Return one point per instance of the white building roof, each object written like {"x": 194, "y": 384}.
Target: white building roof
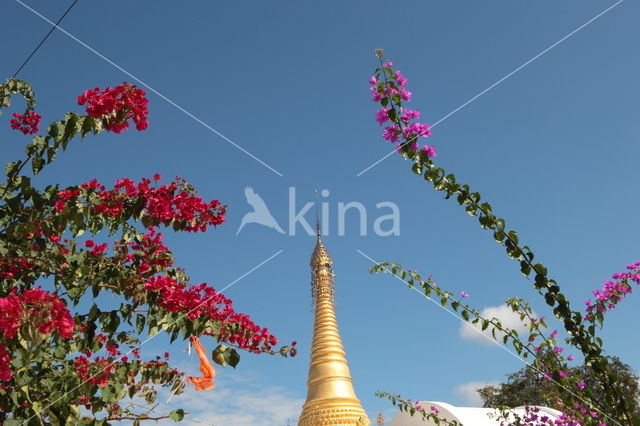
{"x": 467, "y": 416}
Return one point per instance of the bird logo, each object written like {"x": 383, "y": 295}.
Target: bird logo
{"x": 260, "y": 214}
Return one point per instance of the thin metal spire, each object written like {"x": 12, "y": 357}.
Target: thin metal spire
{"x": 318, "y": 230}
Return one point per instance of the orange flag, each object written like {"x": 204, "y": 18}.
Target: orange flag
{"x": 208, "y": 372}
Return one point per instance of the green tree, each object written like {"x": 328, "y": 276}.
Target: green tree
{"x": 528, "y": 387}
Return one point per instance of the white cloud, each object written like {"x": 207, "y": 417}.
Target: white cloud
{"x": 235, "y": 404}
{"x": 468, "y": 392}
{"x": 507, "y": 317}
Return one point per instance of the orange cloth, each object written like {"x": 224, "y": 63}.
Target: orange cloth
{"x": 208, "y": 372}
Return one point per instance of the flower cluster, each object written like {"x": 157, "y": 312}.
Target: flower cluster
{"x": 39, "y": 307}
{"x": 11, "y": 268}
{"x": 117, "y": 105}
{"x": 96, "y": 372}
{"x": 388, "y": 88}
{"x": 202, "y": 301}
{"x": 96, "y": 249}
{"x": 612, "y": 292}
{"x": 174, "y": 202}
{"x": 5, "y": 371}
{"x": 534, "y": 416}
{"x": 36, "y": 307}
{"x": 27, "y": 123}
{"x": 150, "y": 255}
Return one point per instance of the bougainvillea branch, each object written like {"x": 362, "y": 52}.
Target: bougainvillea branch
{"x": 430, "y": 413}
{"x": 389, "y": 89}
{"x": 58, "y": 354}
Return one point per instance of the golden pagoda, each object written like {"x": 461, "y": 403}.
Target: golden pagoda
{"x": 331, "y": 399}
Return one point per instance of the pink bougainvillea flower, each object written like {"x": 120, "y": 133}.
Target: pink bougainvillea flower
{"x": 430, "y": 150}
{"x": 391, "y": 133}
{"x": 409, "y": 114}
{"x": 389, "y": 89}
{"x": 382, "y": 116}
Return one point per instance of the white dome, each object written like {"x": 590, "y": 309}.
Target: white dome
{"x": 467, "y": 416}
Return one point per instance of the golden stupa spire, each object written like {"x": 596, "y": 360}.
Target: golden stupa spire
{"x": 331, "y": 399}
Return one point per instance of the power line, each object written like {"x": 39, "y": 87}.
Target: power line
{"x": 44, "y": 39}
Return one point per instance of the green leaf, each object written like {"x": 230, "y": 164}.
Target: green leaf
{"x": 11, "y": 168}
{"x": 109, "y": 393}
{"x": 176, "y": 415}
{"x": 87, "y": 125}
{"x": 36, "y": 164}
{"x": 232, "y": 357}
{"x": 140, "y": 319}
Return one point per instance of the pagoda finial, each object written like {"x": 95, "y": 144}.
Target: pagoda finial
{"x": 331, "y": 399}
{"x": 318, "y": 231}
{"x": 380, "y": 419}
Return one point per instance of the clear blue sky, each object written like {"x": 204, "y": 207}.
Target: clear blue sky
{"x": 554, "y": 148}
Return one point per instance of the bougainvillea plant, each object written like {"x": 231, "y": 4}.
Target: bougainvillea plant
{"x": 575, "y": 399}
{"x": 55, "y": 357}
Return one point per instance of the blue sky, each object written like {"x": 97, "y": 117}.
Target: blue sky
{"x": 553, "y": 148}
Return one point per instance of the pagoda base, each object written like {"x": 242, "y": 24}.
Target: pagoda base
{"x": 335, "y": 413}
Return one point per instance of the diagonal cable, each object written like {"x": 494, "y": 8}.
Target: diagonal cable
{"x": 502, "y": 79}
{"x": 44, "y": 39}
{"x": 171, "y": 102}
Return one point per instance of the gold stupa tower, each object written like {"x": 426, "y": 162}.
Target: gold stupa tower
{"x": 331, "y": 399}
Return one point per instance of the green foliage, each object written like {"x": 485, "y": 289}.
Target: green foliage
{"x": 224, "y": 355}
{"x": 527, "y": 387}
{"x": 176, "y": 415}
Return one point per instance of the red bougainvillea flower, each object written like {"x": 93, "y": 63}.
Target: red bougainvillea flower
{"x": 172, "y": 202}
{"x": 35, "y": 306}
{"x": 202, "y": 301}
{"x": 117, "y": 105}
{"x": 5, "y": 370}
{"x": 39, "y": 307}
{"x": 96, "y": 372}
{"x": 27, "y": 123}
